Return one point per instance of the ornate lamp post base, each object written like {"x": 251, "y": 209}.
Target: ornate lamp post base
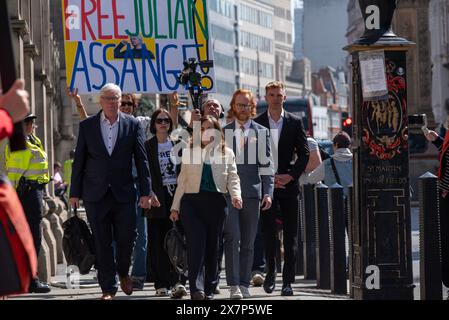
{"x": 381, "y": 223}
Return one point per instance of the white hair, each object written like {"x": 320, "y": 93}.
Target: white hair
{"x": 210, "y": 100}
{"x": 111, "y": 87}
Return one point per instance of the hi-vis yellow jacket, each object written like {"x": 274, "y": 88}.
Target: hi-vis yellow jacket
{"x": 30, "y": 163}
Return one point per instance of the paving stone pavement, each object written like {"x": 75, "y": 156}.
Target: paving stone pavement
{"x": 89, "y": 290}
{"x": 303, "y": 289}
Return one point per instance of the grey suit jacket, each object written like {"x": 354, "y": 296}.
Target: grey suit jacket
{"x": 255, "y": 165}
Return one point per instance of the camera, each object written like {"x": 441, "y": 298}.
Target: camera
{"x": 189, "y": 74}
{"x": 191, "y": 78}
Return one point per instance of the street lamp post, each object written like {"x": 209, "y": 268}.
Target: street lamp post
{"x": 381, "y": 225}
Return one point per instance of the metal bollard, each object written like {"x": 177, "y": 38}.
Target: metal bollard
{"x": 299, "y": 267}
{"x": 429, "y": 238}
{"x": 337, "y": 239}
{"x": 323, "y": 271}
{"x": 308, "y": 219}
{"x": 350, "y": 214}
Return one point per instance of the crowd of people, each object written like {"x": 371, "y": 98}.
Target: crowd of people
{"x": 225, "y": 187}
{"x": 215, "y": 187}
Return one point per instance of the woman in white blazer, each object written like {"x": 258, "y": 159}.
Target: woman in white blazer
{"x": 208, "y": 172}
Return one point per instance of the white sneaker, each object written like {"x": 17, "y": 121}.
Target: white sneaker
{"x": 245, "y": 292}
{"x": 258, "y": 280}
{"x": 178, "y": 291}
{"x": 235, "y": 293}
{"x": 162, "y": 292}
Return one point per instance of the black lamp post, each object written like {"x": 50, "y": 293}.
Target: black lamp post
{"x": 381, "y": 238}
{"x": 386, "y": 10}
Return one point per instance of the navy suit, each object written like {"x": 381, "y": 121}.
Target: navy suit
{"x": 94, "y": 170}
{"x": 105, "y": 184}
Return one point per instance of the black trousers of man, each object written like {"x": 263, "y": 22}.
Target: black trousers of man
{"x": 288, "y": 212}
{"x": 111, "y": 220}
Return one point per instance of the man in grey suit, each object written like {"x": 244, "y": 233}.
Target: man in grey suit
{"x": 250, "y": 142}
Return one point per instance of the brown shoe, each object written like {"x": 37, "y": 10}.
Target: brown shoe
{"x": 107, "y": 296}
{"x": 127, "y": 285}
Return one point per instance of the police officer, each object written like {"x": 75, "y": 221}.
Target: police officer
{"x": 28, "y": 172}
{"x": 67, "y": 173}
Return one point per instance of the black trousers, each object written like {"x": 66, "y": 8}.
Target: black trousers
{"x": 162, "y": 271}
{"x": 444, "y": 234}
{"x": 202, "y": 216}
{"x": 288, "y": 212}
{"x": 111, "y": 220}
{"x": 32, "y": 203}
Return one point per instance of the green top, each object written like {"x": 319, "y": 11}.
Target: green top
{"x": 207, "y": 180}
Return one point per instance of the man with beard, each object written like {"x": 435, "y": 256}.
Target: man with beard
{"x": 255, "y": 169}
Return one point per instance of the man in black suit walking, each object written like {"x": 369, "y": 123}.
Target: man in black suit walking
{"x": 102, "y": 178}
{"x": 291, "y": 154}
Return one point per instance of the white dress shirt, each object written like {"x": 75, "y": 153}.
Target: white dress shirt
{"x": 276, "y": 127}
{"x": 109, "y": 132}
{"x": 238, "y": 132}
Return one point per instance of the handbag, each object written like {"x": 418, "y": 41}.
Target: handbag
{"x": 78, "y": 244}
{"x": 176, "y": 247}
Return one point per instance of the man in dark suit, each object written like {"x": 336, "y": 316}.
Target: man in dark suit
{"x": 291, "y": 154}
{"x": 251, "y": 145}
{"x": 102, "y": 178}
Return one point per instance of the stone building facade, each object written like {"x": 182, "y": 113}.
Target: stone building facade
{"x": 439, "y": 33}
{"x": 411, "y": 21}
{"x": 38, "y": 61}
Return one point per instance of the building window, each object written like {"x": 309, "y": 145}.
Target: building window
{"x": 224, "y": 61}
{"x": 279, "y": 36}
{"x": 222, "y": 34}
{"x": 335, "y": 120}
{"x": 279, "y": 12}
{"x": 225, "y": 88}
{"x": 255, "y": 16}
{"x": 266, "y": 20}
{"x": 222, "y": 7}
{"x": 249, "y": 66}
{"x": 255, "y": 42}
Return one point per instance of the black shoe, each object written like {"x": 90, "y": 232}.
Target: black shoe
{"x": 209, "y": 297}
{"x": 198, "y": 295}
{"x": 38, "y": 287}
{"x": 270, "y": 282}
{"x": 286, "y": 290}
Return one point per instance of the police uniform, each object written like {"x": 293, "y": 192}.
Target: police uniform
{"x": 28, "y": 172}
{"x": 67, "y": 173}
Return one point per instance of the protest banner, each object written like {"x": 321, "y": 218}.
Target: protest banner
{"x": 138, "y": 44}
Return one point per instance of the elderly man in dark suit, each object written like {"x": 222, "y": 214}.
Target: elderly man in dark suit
{"x": 251, "y": 145}
{"x": 102, "y": 178}
{"x": 291, "y": 154}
